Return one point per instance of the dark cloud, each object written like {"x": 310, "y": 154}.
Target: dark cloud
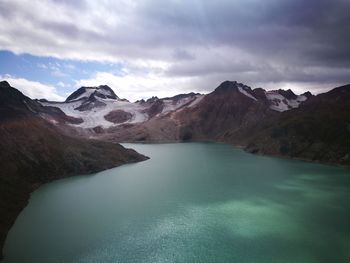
{"x": 252, "y": 40}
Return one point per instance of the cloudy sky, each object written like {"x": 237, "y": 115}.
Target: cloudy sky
{"x": 157, "y": 47}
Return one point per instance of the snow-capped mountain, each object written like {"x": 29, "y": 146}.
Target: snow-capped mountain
{"x": 275, "y": 122}
{"x": 102, "y": 91}
{"x": 278, "y": 100}
{"x": 281, "y": 100}
{"x": 100, "y": 106}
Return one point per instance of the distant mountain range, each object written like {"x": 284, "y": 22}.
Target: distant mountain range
{"x": 100, "y": 107}
{"x": 43, "y": 140}
{"x": 277, "y": 122}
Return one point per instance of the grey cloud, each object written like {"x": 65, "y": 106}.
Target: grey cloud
{"x": 181, "y": 54}
{"x": 254, "y": 41}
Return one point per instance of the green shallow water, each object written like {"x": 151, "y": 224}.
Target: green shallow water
{"x": 191, "y": 202}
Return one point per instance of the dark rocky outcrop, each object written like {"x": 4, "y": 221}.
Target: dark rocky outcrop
{"x": 118, "y": 116}
{"x": 55, "y": 114}
{"x": 33, "y": 151}
{"x": 152, "y": 99}
{"x": 90, "y": 103}
{"x": 155, "y": 108}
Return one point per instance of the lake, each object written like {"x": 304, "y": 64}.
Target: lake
{"x": 191, "y": 202}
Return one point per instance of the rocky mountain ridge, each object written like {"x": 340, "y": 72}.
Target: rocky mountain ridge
{"x": 101, "y": 107}
{"x": 275, "y": 122}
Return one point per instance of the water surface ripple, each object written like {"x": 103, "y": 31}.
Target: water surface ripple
{"x": 191, "y": 202}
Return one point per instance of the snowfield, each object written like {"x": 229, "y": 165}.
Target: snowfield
{"x": 280, "y": 103}
{"x": 95, "y": 117}
{"x": 170, "y": 105}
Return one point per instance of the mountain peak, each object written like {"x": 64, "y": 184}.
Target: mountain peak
{"x": 307, "y": 94}
{"x": 288, "y": 94}
{"x": 234, "y": 86}
{"x": 152, "y": 99}
{"x": 14, "y": 104}
{"x": 227, "y": 85}
{"x": 102, "y": 91}
{"x": 4, "y": 83}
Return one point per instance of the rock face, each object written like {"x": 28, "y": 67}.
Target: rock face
{"x": 33, "y": 151}
{"x": 156, "y": 107}
{"x": 118, "y": 116}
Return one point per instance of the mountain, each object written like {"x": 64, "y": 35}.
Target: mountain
{"x": 315, "y": 128}
{"x": 318, "y": 130}
{"x": 276, "y": 122}
{"x": 33, "y": 151}
{"x": 308, "y": 127}
{"x": 84, "y": 93}
{"x": 229, "y": 107}
{"x": 100, "y": 108}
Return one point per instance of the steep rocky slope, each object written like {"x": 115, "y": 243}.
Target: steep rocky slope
{"x": 230, "y": 107}
{"x": 318, "y": 130}
{"x": 33, "y": 151}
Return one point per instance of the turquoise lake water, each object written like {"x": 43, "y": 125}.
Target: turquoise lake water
{"x": 191, "y": 202}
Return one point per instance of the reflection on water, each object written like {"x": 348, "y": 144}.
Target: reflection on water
{"x": 192, "y": 202}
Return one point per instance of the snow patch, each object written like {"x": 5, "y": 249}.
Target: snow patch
{"x": 170, "y": 105}
{"x": 280, "y": 103}
{"x": 104, "y": 92}
{"x": 196, "y": 101}
{"x": 243, "y": 91}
